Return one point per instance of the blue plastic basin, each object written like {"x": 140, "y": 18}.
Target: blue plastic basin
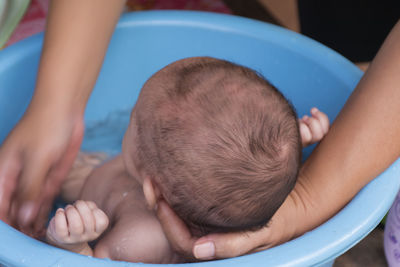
{"x": 308, "y": 73}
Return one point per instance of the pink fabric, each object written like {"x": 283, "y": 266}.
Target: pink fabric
{"x": 34, "y": 20}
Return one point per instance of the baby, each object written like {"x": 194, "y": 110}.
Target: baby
{"x": 219, "y": 143}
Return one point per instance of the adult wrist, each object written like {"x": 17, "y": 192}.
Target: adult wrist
{"x": 60, "y": 103}
{"x": 288, "y": 217}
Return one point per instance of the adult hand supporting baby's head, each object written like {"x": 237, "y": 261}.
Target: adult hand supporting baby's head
{"x": 221, "y": 245}
{"x": 34, "y": 159}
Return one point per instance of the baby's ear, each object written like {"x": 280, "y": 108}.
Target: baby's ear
{"x": 151, "y": 192}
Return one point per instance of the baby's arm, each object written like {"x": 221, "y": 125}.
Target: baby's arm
{"x": 83, "y": 166}
{"x": 135, "y": 238}
{"x": 314, "y": 128}
{"x": 76, "y": 225}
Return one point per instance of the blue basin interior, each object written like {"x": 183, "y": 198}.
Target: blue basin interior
{"x": 308, "y": 73}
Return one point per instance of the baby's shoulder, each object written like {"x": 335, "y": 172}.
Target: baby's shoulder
{"x": 136, "y": 238}
{"x": 103, "y": 182}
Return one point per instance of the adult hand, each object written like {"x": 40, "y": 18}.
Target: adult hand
{"x": 344, "y": 162}
{"x": 34, "y": 159}
{"x": 38, "y": 153}
{"x": 226, "y": 245}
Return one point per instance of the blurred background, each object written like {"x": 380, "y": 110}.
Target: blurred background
{"x": 354, "y": 28}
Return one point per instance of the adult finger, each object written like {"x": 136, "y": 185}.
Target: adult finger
{"x": 50, "y": 190}
{"x": 30, "y": 188}
{"x": 62, "y": 167}
{"x": 41, "y": 219}
{"x": 9, "y": 172}
{"x": 52, "y": 187}
{"x": 219, "y": 246}
{"x": 42, "y": 180}
{"x": 176, "y": 230}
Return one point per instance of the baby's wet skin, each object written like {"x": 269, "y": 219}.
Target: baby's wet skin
{"x": 133, "y": 233}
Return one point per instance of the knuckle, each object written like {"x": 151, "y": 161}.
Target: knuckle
{"x": 42, "y": 154}
{"x": 313, "y": 121}
{"x": 79, "y": 203}
{"x": 232, "y": 251}
{"x": 322, "y": 117}
{"x": 101, "y": 220}
{"x": 70, "y": 210}
{"x": 318, "y": 135}
{"x": 80, "y": 206}
{"x": 232, "y": 247}
{"x": 179, "y": 248}
{"x": 91, "y": 204}
{"x": 307, "y": 137}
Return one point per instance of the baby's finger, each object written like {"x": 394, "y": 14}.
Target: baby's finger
{"x": 101, "y": 220}
{"x": 91, "y": 205}
{"x": 305, "y": 133}
{"x": 315, "y": 128}
{"x": 60, "y": 225}
{"x": 75, "y": 224}
{"x": 86, "y": 216}
{"x": 322, "y": 118}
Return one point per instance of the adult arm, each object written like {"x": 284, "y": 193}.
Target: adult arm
{"x": 362, "y": 142}
{"x": 39, "y": 151}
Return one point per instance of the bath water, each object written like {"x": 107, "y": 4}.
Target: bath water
{"x": 106, "y": 135}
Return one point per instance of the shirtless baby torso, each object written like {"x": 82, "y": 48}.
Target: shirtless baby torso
{"x": 133, "y": 234}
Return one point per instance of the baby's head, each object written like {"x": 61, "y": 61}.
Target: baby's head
{"x": 220, "y": 143}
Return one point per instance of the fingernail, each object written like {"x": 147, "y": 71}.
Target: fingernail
{"x": 204, "y": 251}
{"x": 314, "y": 110}
{"x": 25, "y": 213}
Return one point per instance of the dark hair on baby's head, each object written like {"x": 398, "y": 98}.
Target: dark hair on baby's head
{"x": 221, "y": 142}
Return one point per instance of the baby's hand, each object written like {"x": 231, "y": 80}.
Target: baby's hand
{"x": 76, "y": 224}
{"x": 314, "y": 128}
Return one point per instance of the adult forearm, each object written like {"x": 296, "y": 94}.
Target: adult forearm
{"x": 76, "y": 40}
{"x": 346, "y": 160}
